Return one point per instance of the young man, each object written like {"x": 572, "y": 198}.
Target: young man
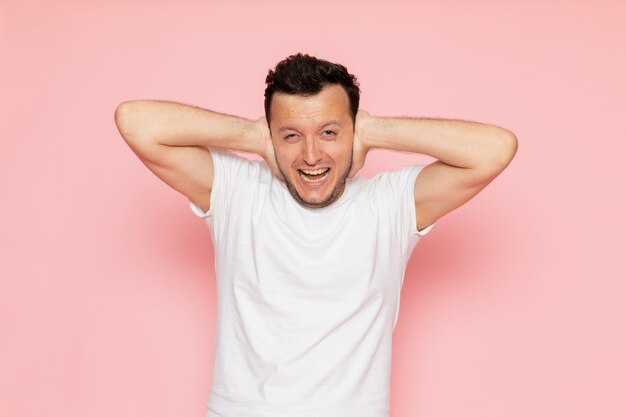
{"x": 310, "y": 258}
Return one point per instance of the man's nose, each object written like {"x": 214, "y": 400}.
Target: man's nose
{"x": 312, "y": 153}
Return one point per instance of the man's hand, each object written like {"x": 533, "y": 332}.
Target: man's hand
{"x": 359, "y": 148}
{"x": 266, "y": 148}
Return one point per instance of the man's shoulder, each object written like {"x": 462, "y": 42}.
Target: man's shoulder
{"x": 395, "y": 176}
{"x": 238, "y": 171}
{"x": 232, "y": 159}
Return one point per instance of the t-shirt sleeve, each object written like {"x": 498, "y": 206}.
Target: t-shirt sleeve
{"x": 198, "y": 211}
{"x": 229, "y": 174}
{"x": 413, "y": 172}
{"x": 194, "y": 207}
{"x": 395, "y": 191}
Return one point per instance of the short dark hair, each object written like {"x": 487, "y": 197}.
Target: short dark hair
{"x": 306, "y": 75}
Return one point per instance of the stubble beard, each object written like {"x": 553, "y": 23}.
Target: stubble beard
{"x": 334, "y": 195}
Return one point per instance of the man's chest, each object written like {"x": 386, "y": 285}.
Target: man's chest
{"x": 352, "y": 250}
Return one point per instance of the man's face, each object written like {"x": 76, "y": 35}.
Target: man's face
{"x": 312, "y": 138}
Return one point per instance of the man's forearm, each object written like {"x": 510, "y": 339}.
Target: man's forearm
{"x": 455, "y": 142}
{"x": 176, "y": 124}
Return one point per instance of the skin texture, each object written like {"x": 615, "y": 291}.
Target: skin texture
{"x": 309, "y": 133}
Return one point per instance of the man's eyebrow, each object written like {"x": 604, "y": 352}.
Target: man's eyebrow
{"x": 288, "y": 127}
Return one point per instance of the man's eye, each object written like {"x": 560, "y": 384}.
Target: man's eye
{"x": 329, "y": 132}
{"x": 289, "y": 136}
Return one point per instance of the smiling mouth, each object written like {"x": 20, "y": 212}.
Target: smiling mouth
{"x": 315, "y": 175}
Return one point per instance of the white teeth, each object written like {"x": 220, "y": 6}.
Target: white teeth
{"x": 316, "y": 172}
{"x": 307, "y": 179}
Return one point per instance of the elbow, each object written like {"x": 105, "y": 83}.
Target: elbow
{"x": 123, "y": 111}
{"x": 121, "y": 115}
{"x": 125, "y": 116}
{"x": 499, "y": 155}
{"x": 505, "y": 148}
{"x": 510, "y": 147}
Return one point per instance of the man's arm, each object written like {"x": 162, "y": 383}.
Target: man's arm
{"x": 171, "y": 139}
{"x": 470, "y": 155}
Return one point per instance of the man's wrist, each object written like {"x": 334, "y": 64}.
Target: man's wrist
{"x": 255, "y": 131}
{"x": 371, "y": 132}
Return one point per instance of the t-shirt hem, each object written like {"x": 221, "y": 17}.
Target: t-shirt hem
{"x": 241, "y": 409}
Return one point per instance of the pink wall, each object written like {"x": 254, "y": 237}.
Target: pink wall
{"x": 513, "y": 304}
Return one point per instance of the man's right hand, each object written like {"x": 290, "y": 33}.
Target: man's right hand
{"x": 267, "y": 148}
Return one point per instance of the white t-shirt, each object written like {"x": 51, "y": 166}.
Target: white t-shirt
{"x": 307, "y": 299}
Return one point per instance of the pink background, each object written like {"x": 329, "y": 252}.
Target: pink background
{"x": 512, "y": 305}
